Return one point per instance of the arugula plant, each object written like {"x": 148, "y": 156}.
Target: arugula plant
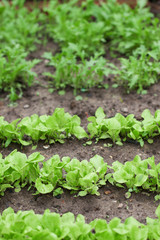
{"x": 126, "y": 28}
{"x": 68, "y": 23}
{"x": 141, "y": 70}
{"x": 15, "y": 71}
{"x": 125, "y": 31}
{"x": 90, "y": 25}
{"x": 19, "y": 25}
{"x": 84, "y": 74}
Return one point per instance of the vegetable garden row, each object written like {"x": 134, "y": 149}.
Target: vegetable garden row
{"x": 61, "y": 125}
{"x": 28, "y": 225}
{"x": 65, "y": 69}
{"x": 79, "y": 176}
{"x": 83, "y": 33}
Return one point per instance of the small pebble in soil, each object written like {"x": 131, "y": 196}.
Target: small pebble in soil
{"x": 107, "y": 192}
{"x": 26, "y": 106}
{"x": 46, "y": 146}
{"x": 120, "y": 205}
{"x": 46, "y": 61}
{"x": 125, "y": 110}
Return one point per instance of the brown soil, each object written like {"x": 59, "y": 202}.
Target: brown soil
{"x": 111, "y": 202}
{"x": 106, "y": 206}
{"x": 155, "y": 6}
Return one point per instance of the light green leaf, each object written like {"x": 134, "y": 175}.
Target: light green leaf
{"x": 79, "y": 132}
{"x": 43, "y": 188}
{"x": 140, "y": 179}
{"x": 100, "y": 113}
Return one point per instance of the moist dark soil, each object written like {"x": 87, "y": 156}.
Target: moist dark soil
{"x": 155, "y": 6}
{"x": 112, "y": 201}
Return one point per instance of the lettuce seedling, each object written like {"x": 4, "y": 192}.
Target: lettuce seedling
{"x": 120, "y": 128}
{"x": 17, "y": 170}
{"x": 52, "y": 128}
{"x": 84, "y": 176}
{"x": 50, "y": 175}
{"x": 136, "y": 174}
{"x": 49, "y": 225}
{"x": 80, "y": 177}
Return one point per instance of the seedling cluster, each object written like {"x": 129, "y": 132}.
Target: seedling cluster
{"x": 84, "y": 33}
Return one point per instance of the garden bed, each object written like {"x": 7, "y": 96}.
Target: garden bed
{"x": 112, "y": 201}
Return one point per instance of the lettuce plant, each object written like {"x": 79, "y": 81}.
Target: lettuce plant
{"x": 80, "y": 177}
{"x": 137, "y": 174}
{"x": 28, "y": 225}
{"x": 84, "y": 176}
{"x": 52, "y": 128}
{"x": 50, "y": 175}
{"x": 17, "y": 170}
{"x": 61, "y": 125}
{"x": 120, "y": 128}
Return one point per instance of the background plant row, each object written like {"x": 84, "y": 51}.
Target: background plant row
{"x": 84, "y": 34}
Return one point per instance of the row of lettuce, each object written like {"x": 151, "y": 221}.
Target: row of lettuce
{"x": 80, "y": 177}
{"x": 61, "y": 125}
{"x": 84, "y": 33}
{"x": 52, "y": 226}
